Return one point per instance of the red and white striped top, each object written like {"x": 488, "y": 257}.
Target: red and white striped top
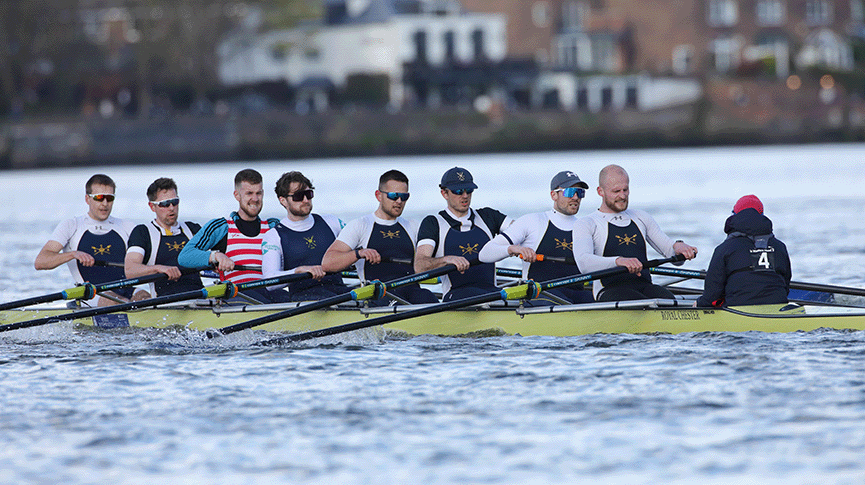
{"x": 244, "y": 250}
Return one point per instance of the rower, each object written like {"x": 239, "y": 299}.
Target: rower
{"x": 615, "y": 235}
{"x": 299, "y": 242}
{"x": 236, "y": 239}
{"x": 96, "y": 236}
{"x": 456, "y": 234}
{"x": 374, "y": 242}
{"x": 752, "y": 266}
{"x": 550, "y": 234}
{"x": 154, "y": 247}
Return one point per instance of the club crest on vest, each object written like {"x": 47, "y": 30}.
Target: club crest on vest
{"x": 101, "y": 250}
{"x": 469, "y": 249}
{"x": 390, "y": 234}
{"x": 564, "y": 244}
{"x": 626, "y": 240}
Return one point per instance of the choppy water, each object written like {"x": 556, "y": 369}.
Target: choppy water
{"x": 137, "y": 406}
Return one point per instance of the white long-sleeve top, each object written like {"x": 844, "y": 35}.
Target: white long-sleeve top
{"x": 591, "y": 234}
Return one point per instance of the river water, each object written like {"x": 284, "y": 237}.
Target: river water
{"x": 136, "y": 406}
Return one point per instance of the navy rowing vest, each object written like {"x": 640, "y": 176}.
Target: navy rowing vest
{"x": 307, "y": 248}
{"x": 108, "y": 247}
{"x": 555, "y": 243}
{"x": 627, "y": 242}
{"x": 468, "y": 244}
{"x": 169, "y": 248}
{"x": 391, "y": 242}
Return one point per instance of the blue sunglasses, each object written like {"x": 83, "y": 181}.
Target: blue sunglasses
{"x": 572, "y": 191}
{"x": 461, "y": 191}
{"x": 397, "y": 195}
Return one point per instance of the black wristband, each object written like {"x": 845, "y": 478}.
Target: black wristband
{"x": 357, "y": 253}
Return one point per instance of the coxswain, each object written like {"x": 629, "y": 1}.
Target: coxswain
{"x": 752, "y": 266}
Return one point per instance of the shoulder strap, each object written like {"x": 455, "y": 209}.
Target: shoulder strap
{"x": 155, "y": 237}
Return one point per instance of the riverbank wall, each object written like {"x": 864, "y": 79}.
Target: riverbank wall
{"x": 357, "y": 132}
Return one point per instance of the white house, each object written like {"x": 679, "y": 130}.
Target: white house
{"x": 364, "y": 37}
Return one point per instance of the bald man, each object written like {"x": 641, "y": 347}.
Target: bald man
{"x": 618, "y": 236}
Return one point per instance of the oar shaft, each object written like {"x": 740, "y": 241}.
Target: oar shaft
{"x": 419, "y": 312}
{"x": 32, "y": 301}
{"x": 517, "y": 292}
{"x": 92, "y": 312}
{"x": 214, "y": 291}
{"x": 85, "y": 290}
{"x": 795, "y": 285}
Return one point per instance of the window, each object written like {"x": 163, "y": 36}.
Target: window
{"x": 770, "y": 12}
{"x": 818, "y": 12}
{"x": 420, "y": 47}
{"x": 279, "y": 51}
{"x": 604, "y": 54}
{"x": 541, "y": 14}
{"x": 450, "y": 47}
{"x": 683, "y": 59}
{"x": 857, "y": 13}
{"x": 723, "y": 13}
{"x": 573, "y": 13}
{"x": 478, "y": 45}
{"x": 726, "y": 52}
{"x": 568, "y": 51}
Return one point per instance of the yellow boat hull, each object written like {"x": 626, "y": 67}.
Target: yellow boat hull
{"x": 559, "y": 321}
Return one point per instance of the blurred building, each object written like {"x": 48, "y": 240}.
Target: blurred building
{"x": 372, "y": 50}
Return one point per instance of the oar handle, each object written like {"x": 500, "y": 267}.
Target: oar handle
{"x": 554, "y": 259}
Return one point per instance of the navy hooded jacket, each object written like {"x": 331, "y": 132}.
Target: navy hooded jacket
{"x": 740, "y": 273}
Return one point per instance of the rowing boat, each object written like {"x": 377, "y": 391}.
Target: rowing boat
{"x": 498, "y": 318}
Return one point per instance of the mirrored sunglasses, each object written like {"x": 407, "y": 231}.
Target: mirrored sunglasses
{"x": 300, "y": 194}
{"x": 461, "y": 191}
{"x": 572, "y": 191}
{"x": 167, "y": 202}
{"x": 101, "y": 197}
{"x": 397, "y": 195}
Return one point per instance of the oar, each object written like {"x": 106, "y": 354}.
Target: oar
{"x": 375, "y": 290}
{"x": 219, "y": 290}
{"x": 527, "y": 290}
{"x": 89, "y": 290}
{"x": 552, "y": 259}
{"x": 795, "y": 285}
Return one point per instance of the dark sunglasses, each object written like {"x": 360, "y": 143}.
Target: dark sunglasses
{"x": 167, "y": 202}
{"x": 101, "y": 197}
{"x": 572, "y": 191}
{"x": 300, "y": 194}
{"x": 461, "y": 191}
{"x": 397, "y": 195}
